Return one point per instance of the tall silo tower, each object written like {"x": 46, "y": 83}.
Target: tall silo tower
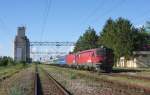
{"x": 21, "y": 46}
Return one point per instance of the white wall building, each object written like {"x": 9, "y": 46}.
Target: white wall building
{"x": 140, "y": 59}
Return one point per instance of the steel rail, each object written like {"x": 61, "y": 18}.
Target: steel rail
{"x": 36, "y": 81}
{"x": 66, "y": 92}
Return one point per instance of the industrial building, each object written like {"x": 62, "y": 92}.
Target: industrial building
{"x": 21, "y": 46}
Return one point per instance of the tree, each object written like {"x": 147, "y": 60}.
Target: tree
{"x": 141, "y": 39}
{"x": 107, "y": 34}
{"x": 4, "y": 61}
{"x": 87, "y": 41}
{"x": 118, "y": 35}
{"x": 78, "y": 46}
{"x": 147, "y": 26}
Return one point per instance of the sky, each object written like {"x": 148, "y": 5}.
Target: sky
{"x": 63, "y": 20}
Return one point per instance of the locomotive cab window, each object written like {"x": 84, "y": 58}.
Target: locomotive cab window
{"x": 100, "y": 51}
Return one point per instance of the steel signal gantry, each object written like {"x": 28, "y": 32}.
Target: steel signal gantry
{"x": 44, "y": 53}
{"x": 52, "y": 43}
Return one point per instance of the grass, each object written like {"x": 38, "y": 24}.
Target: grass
{"x": 131, "y": 69}
{"x": 15, "y": 90}
{"x": 78, "y": 79}
{"x": 21, "y": 83}
{"x": 10, "y": 70}
{"x": 88, "y": 76}
{"x": 64, "y": 82}
{"x": 72, "y": 75}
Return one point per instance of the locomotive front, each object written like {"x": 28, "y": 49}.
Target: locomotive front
{"x": 106, "y": 59}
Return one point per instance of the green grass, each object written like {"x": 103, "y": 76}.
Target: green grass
{"x": 10, "y": 70}
{"x": 132, "y": 69}
{"x": 16, "y": 91}
{"x": 88, "y": 76}
{"x": 72, "y": 75}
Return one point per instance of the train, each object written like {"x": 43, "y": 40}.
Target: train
{"x": 99, "y": 59}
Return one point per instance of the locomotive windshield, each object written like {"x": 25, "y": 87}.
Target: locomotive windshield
{"x": 104, "y": 52}
{"x": 100, "y": 51}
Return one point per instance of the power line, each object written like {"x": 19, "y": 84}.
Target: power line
{"x": 95, "y": 10}
{"x": 47, "y": 10}
{"x": 120, "y": 3}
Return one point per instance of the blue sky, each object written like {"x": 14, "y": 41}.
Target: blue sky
{"x": 66, "y": 20}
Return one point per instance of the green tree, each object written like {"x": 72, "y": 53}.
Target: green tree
{"x": 118, "y": 35}
{"x": 78, "y": 46}
{"x": 107, "y": 34}
{"x": 147, "y": 26}
{"x": 141, "y": 39}
{"x": 87, "y": 41}
{"x": 4, "y": 61}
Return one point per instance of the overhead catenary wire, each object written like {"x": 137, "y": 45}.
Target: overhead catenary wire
{"x": 113, "y": 8}
{"x": 45, "y": 18}
{"x": 47, "y": 7}
{"x": 139, "y": 19}
{"x": 95, "y": 10}
{"x": 103, "y": 14}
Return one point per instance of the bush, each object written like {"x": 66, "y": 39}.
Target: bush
{"x": 24, "y": 63}
{"x": 4, "y": 61}
{"x": 37, "y": 62}
{"x": 73, "y": 75}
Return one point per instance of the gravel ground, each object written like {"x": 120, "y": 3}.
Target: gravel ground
{"x": 21, "y": 83}
{"x": 86, "y": 83}
{"x": 48, "y": 86}
{"x": 79, "y": 86}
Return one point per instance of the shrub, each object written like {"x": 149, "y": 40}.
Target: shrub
{"x": 72, "y": 75}
{"x": 24, "y": 63}
{"x": 4, "y": 61}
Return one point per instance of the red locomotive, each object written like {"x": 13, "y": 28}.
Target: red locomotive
{"x": 99, "y": 58}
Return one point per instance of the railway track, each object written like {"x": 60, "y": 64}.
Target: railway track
{"x": 45, "y": 84}
{"x": 119, "y": 83}
{"x": 129, "y": 76}
{"x": 116, "y": 73}
{"x": 121, "y": 87}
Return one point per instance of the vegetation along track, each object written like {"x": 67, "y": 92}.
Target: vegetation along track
{"x": 21, "y": 83}
{"x": 126, "y": 73}
{"x": 7, "y": 72}
{"x": 129, "y": 76}
{"x": 45, "y": 84}
{"x": 119, "y": 83}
